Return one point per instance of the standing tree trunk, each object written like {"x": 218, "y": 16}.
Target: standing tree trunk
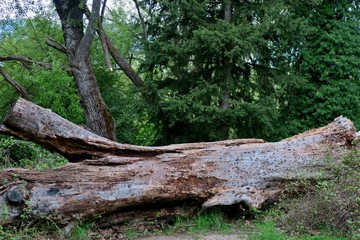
{"x": 78, "y": 43}
{"x": 224, "y": 104}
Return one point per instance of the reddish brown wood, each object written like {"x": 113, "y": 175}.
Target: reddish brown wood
{"x": 118, "y": 179}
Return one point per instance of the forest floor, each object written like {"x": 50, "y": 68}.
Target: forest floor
{"x": 207, "y": 236}
{"x": 187, "y": 230}
{"x": 203, "y": 229}
{"x": 211, "y": 235}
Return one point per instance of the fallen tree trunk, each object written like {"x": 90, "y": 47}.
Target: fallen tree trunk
{"x": 117, "y": 179}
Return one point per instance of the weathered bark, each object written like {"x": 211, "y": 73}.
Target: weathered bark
{"x": 118, "y": 180}
{"x": 77, "y": 43}
{"x": 31, "y": 122}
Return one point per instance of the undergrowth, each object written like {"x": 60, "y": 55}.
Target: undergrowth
{"x": 23, "y": 154}
{"x": 328, "y": 206}
{"x": 204, "y": 221}
{"x": 43, "y": 229}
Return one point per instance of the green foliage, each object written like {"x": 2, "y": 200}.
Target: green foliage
{"x": 5, "y": 234}
{"x": 16, "y": 153}
{"x": 80, "y": 232}
{"x": 53, "y": 89}
{"x": 42, "y": 229}
{"x": 268, "y": 231}
{"x": 286, "y": 66}
{"x": 133, "y": 123}
{"x": 205, "y": 221}
{"x": 58, "y": 93}
{"x": 329, "y": 60}
{"x": 132, "y": 234}
{"x": 188, "y": 61}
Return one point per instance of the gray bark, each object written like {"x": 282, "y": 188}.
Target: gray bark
{"x": 117, "y": 180}
{"x": 78, "y": 43}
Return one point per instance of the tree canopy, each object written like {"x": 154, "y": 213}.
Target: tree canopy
{"x": 187, "y": 71}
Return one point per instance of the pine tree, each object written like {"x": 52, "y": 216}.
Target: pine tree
{"x": 329, "y": 61}
{"x": 219, "y": 76}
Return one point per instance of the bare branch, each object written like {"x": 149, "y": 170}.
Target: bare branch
{"x": 103, "y": 40}
{"x": 141, "y": 20}
{"x": 120, "y": 60}
{"x": 13, "y": 83}
{"x": 103, "y": 10}
{"x": 105, "y": 49}
{"x": 26, "y": 62}
{"x": 117, "y": 56}
{"x": 54, "y": 44}
{"x": 90, "y": 30}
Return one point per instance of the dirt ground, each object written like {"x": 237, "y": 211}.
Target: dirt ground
{"x": 110, "y": 234}
{"x": 209, "y": 236}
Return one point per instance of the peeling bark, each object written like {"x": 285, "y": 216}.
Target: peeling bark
{"x": 116, "y": 180}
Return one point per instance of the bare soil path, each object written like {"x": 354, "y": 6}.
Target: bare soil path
{"x": 209, "y": 236}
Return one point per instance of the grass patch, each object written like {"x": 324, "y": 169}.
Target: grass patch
{"x": 268, "y": 231}
{"x": 43, "y": 229}
{"x": 205, "y": 221}
{"x": 80, "y": 232}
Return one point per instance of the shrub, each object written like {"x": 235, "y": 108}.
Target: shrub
{"x": 18, "y": 153}
{"x": 331, "y": 205}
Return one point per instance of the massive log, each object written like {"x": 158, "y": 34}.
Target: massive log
{"x": 108, "y": 178}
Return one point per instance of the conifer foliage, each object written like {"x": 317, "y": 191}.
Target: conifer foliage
{"x": 200, "y": 57}
{"x": 329, "y": 61}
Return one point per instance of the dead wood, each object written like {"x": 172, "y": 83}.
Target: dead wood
{"x": 115, "y": 179}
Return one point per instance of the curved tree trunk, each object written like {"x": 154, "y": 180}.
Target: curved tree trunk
{"x": 78, "y": 43}
{"x": 118, "y": 180}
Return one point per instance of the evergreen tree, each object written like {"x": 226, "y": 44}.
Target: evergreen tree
{"x": 219, "y": 66}
{"x": 329, "y": 60}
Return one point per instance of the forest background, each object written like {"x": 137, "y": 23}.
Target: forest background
{"x": 192, "y": 71}
{"x": 211, "y": 70}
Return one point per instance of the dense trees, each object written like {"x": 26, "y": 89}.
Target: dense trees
{"x": 206, "y": 70}
{"x": 220, "y": 66}
{"x": 329, "y": 61}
